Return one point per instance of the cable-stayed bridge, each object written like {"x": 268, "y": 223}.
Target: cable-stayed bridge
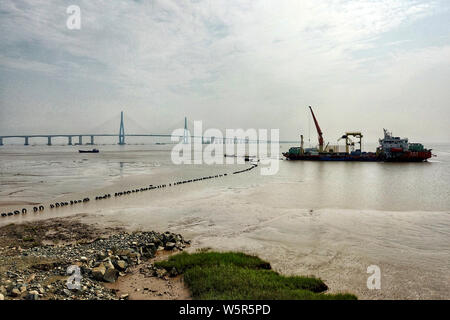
{"x": 89, "y": 138}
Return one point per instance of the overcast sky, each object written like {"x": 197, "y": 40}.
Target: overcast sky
{"x": 362, "y": 65}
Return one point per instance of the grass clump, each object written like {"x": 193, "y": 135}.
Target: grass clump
{"x": 237, "y": 276}
{"x": 184, "y": 261}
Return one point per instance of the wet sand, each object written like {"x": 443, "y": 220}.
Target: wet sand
{"x": 139, "y": 286}
{"x": 335, "y": 245}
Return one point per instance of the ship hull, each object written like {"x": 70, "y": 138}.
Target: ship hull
{"x": 330, "y": 157}
{"x": 408, "y": 156}
{"x": 371, "y": 157}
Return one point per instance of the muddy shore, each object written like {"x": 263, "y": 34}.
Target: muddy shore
{"x": 66, "y": 259}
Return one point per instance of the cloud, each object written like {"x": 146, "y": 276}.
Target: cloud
{"x": 233, "y": 57}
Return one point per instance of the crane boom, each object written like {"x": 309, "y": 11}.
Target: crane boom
{"x": 319, "y": 132}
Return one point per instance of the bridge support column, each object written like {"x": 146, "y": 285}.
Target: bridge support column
{"x": 1, "y": 141}
{"x": 80, "y": 140}
{"x": 70, "y": 140}
{"x": 121, "y": 130}
{"x": 92, "y": 139}
{"x": 26, "y": 141}
{"x": 49, "y": 141}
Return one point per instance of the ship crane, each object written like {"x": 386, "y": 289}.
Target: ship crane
{"x": 349, "y": 142}
{"x": 319, "y": 131}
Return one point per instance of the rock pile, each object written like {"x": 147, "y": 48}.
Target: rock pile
{"x": 90, "y": 264}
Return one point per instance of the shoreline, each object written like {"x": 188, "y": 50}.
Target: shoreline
{"x": 65, "y": 259}
{"x": 36, "y": 257}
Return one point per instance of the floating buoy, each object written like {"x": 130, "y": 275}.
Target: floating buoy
{"x": 57, "y": 205}
{"x": 41, "y": 208}
{"x": 35, "y": 209}
{"x": 52, "y": 206}
{"x": 16, "y": 212}
{"x": 10, "y": 213}
{"x": 4, "y": 214}
{"x": 24, "y": 210}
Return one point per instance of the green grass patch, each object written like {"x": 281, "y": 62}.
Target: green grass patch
{"x": 237, "y": 276}
{"x": 183, "y": 261}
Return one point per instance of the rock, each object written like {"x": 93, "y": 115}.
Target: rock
{"x": 23, "y": 288}
{"x": 173, "y": 272}
{"x": 101, "y": 255}
{"x": 123, "y": 252}
{"x": 111, "y": 275}
{"x": 169, "y": 246}
{"x": 149, "y": 250}
{"x": 108, "y": 264}
{"x": 2, "y": 297}
{"x": 31, "y": 278}
{"x": 125, "y": 296}
{"x": 83, "y": 259}
{"x": 15, "y": 292}
{"x": 99, "y": 272}
{"x": 161, "y": 273}
{"x": 121, "y": 265}
{"x": 32, "y": 295}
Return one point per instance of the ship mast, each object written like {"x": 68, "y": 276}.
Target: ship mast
{"x": 319, "y": 132}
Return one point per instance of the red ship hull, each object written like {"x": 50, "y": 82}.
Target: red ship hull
{"x": 410, "y": 156}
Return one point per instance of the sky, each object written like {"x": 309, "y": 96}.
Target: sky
{"x": 363, "y": 65}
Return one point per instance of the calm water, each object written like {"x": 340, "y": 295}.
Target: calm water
{"x": 330, "y": 219}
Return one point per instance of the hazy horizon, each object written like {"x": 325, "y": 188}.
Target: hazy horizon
{"x": 362, "y": 65}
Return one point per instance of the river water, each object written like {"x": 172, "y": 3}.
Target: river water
{"x": 328, "y": 219}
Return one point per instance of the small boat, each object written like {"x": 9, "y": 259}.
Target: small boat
{"x": 89, "y": 151}
{"x": 246, "y": 157}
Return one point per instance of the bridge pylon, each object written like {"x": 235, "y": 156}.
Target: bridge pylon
{"x": 121, "y": 130}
